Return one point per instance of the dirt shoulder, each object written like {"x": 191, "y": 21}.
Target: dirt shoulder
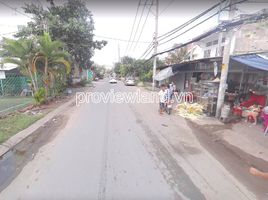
{"x": 233, "y": 158}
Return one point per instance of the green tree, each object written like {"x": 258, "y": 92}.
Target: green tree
{"x": 20, "y": 52}
{"x": 99, "y": 70}
{"x": 142, "y": 69}
{"x": 117, "y": 68}
{"x": 176, "y": 56}
{"x": 71, "y": 23}
{"x": 52, "y": 56}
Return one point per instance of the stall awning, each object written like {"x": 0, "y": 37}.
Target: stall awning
{"x": 257, "y": 61}
{"x": 164, "y": 74}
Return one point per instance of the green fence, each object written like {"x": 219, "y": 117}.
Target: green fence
{"x": 13, "y": 85}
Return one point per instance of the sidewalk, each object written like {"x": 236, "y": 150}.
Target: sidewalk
{"x": 243, "y": 135}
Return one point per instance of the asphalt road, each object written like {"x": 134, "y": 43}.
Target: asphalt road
{"x": 124, "y": 151}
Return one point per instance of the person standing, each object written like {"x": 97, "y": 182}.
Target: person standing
{"x": 169, "y": 93}
{"x": 162, "y": 98}
{"x": 172, "y": 88}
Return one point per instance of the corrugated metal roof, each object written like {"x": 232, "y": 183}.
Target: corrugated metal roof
{"x": 257, "y": 61}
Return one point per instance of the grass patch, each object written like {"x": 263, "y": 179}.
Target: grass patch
{"x": 15, "y": 123}
{"x": 10, "y": 104}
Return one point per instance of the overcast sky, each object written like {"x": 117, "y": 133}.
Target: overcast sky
{"x": 114, "y": 19}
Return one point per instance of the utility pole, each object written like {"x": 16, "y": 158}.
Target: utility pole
{"x": 119, "y": 57}
{"x": 225, "y": 61}
{"x": 155, "y": 42}
{"x": 220, "y": 34}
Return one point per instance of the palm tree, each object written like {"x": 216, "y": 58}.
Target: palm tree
{"x": 20, "y": 52}
{"x": 53, "y": 56}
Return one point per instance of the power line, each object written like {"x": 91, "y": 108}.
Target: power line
{"x": 239, "y": 22}
{"x": 138, "y": 26}
{"x": 143, "y": 25}
{"x": 173, "y": 31}
{"x": 169, "y": 4}
{"x": 147, "y": 49}
{"x": 133, "y": 25}
{"x": 15, "y": 9}
{"x": 149, "y": 52}
{"x": 188, "y": 29}
{"x": 200, "y": 22}
{"x": 118, "y": 39}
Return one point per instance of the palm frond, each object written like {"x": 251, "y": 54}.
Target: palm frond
{"x": 64, "y": 62}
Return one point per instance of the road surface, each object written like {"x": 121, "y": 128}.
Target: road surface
{"x": 124, "y": 151}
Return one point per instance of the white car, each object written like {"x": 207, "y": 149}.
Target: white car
{"x": 130, "y": 82}
{"x": 112, "y": 80}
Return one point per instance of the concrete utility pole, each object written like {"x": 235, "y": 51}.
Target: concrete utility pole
{"x": 225, "y": 61}
{"x": 119, "y": 56}
{"x": 155, "y": 41}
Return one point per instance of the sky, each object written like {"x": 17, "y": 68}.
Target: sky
{"x": 114, "y": 21}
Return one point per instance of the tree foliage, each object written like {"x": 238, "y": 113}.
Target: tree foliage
{"x": 71, "y": 23}
{"x": 53, "y": 57}
{"x": 135, "y": 68}
{"x": 37, "y": 56}
{"x": 21, "y": 53}
{"x": 176, "y": 56}
{"x": 99, "y": 70}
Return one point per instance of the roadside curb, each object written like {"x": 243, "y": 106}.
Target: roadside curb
{"x": 20, "y": 136}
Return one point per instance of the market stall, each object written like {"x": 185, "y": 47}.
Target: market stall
{"x": 206, "y": 93}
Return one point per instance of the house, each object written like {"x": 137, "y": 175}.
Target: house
{"x": 248, "y": 65}
{"x": 206, "y": 52}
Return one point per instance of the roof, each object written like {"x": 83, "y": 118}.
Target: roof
{"x": 164, "y": 74}
{"x": 7, "y": 66}
{"x": 170, "y": 70}
{"x": 257, "y": 61}
{"x": 176, "y": 67}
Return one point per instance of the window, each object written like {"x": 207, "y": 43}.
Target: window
{"x": 207, "y": 53}
{"x": 215, "y": 42}
{"x": 208, "y": 44}
{"x": 221, "y": 51}
{"x": 223, "y": 39}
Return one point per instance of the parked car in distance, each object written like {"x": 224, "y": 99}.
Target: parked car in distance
{"x": 112, "y": 81}
{"x": 130, "y": 82}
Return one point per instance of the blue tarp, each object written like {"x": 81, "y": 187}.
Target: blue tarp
{"x": 254, "y": 60}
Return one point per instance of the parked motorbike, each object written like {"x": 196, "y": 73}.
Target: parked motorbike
{"x": 168, "y": 107}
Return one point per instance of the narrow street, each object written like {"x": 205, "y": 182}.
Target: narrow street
{"x": 125, "y": 151}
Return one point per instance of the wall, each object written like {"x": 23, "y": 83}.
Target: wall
{"x": 252, "y": 38}
{"x": 211, "y": 43}
{"x": 178, "y": 80}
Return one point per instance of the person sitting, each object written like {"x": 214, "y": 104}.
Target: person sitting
{"x": 253, "y": 112}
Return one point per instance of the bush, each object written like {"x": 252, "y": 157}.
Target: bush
{"x": 59, "y": 88}
{"x": 40, "y": 96}
{"x": 84, "y": 82}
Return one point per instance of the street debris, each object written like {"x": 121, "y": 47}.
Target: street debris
{"x": 189, "y": 110}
